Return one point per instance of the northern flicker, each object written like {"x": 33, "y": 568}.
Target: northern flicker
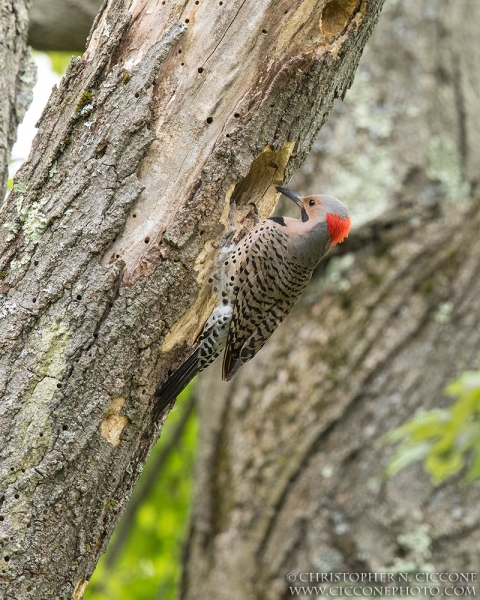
{"x": 257, "y": 282}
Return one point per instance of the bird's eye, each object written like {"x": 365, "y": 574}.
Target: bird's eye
{"x": 311, "y": 202}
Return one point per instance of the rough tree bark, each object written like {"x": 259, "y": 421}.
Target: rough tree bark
{"x": 292, "y": 452}
{"x": 17, "y": 78}
{"x": 61, "y": 25}
{"x": 106, "y": 241}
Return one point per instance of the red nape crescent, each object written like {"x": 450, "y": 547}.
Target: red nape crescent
{"x": 338, "y": 228}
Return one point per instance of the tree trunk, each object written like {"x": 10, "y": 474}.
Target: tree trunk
{"x": 408, "y": 131}
{"x": 61, "y": 25}
{"x": 292, "y": 452}
{"x": 107, "y": 240}
{"x": 18, "y": 78}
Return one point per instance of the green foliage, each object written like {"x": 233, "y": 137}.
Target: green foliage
{"x": 445, "y": 439}
{"x": 61, "y": 60}
{"x": 149, "y": 565}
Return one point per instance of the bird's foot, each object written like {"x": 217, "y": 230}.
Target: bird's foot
{"x": 253, "y": 214}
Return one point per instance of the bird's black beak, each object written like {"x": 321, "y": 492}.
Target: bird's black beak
{"x": 292, "y": 195}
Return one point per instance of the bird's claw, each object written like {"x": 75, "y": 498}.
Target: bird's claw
{"x": 254, "y": 215}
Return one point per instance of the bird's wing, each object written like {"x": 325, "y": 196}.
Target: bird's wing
{"x": 269, "y": 282}
{"x": 260, "y": 335}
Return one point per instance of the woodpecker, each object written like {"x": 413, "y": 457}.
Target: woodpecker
{"x": 257, "y": 282}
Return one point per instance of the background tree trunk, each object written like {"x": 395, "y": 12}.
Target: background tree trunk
{"x": 18, "y": 75}
{"x": 61, "y": 25}
{"x": 106, "y": 241}
{"x": 408, "y": 130}
{"x": 292, "y": 451}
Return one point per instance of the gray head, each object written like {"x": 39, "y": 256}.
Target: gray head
{"x": 322, "y": 209}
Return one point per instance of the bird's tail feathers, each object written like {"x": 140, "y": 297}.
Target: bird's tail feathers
{"x": 227, "y": 375}
{"x": 167, "y": 392}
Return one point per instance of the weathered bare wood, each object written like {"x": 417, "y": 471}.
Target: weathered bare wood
{"x": 292, "y": 452}
{"x": 107, "y": 239}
